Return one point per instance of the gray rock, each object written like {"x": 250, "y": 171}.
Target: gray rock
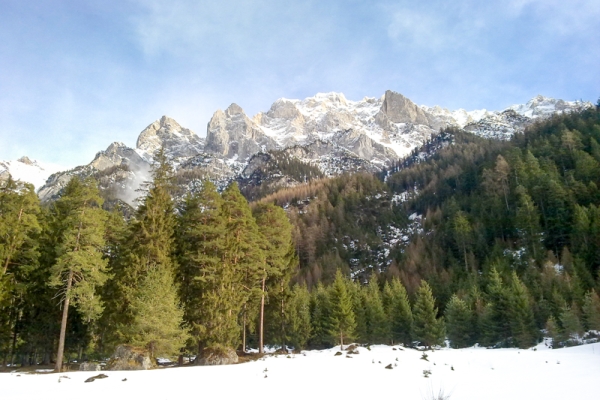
{"x": 89, "y": 366}
{"x": 217, "y": 357}
{"x": 128, "y": 358}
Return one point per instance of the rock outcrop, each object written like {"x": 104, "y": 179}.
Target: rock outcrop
{"x": 127, "y": 358}
{"x": 217, "y": 357}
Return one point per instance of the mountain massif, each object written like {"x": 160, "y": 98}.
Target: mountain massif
{"x": 293, "y": 142}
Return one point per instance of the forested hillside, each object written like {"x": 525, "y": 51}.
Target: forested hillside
{"x": 470, "y": 239}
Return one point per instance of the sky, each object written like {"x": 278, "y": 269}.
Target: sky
{"x": 76, "y": 76}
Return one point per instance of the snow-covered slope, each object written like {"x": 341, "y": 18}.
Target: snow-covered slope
{"x": 27, "y": 170}
{"x": 465, "y": 374}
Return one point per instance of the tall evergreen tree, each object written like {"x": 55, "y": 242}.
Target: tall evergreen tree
{"x": 495, "y": 322}
{"x": 298, "y": 324}
{"x": 459, "y": 323}
{"x": 244, "y": 259}
{"x": 279, "y": 265}
{"x": 320, "y": 317}
{"x": 523, "y": 329}
{"x": 342, "y": 316}
{"x": 398, "y": 312}
{"x": 80, "y": 268}
{"x": 202, "y": 278}
{"x": 157, "y": 316}
{"x": 378, "y": 327}
{"x": 427, "y": 328}
{"x": 149, "y": 255}
{"x": 591, "y": 311}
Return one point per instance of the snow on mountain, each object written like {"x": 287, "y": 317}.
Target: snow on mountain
{"x": 540, "y": 107}
{"x": 327, "y": 131}
{"x": 26, "y": 170}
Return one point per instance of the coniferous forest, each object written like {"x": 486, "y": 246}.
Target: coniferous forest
{"x": 469, "y": 240}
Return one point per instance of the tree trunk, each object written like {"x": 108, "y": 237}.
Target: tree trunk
{"x": 341, "y": 341}
{"x": 262, "y": 319}
{"x": 63, "y": 325}
{"x": 244, "y": 331}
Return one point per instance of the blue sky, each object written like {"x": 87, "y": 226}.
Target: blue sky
{"x": 76, "y": 76}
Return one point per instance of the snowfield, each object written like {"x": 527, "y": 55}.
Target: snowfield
{"x": 465, "y": 374}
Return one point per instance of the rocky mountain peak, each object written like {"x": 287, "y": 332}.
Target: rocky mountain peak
{"x": 27, "y": 161}
{"x": 399, "y": 109}
{"x": 167, "y": 133}
{"x": 234, "y": 110}
{"x": 284, "y": 108}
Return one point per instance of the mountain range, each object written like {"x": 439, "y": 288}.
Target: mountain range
{"x": 324, "y": 135}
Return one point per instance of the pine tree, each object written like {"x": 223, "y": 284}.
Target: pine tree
{"x": 591, "y": 311}
{"x": 459, "y": 323}
{"x": 244, "y": 259}
{"x": 378, "y": 327}
{"x": 527, "y": 222}
{"x": 522, "y": 322}
{"x": 398, "y": 312}
{"x": 156, "y": 315}
{"x": 495, "y": 321}
{"x": 571, "y": 325}
{"x": 427, "y": 328}
{"x": 320, "y": 317}
{"x": 357, "y": 295}
{"x": 552, "y": 330}
{"x": 80, "y": 268}
{"x": 298, "y": 317}
{"x": 200, "y": 252}
{"x": 276, "y": 230}
{"x": 149, "y": 255}
{"x": 342, "y": 316}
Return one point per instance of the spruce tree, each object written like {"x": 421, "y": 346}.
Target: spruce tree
{"x": 357, "y": 294}
{"x": 523, "y": 329}
{"x": 320, "y": 317}
{"x": 378, "y": 327}
{"x": 398, "y": 312}
{"x": 149, "y": 249}
{"x": 571, "y": 325}
{"x": 591, "y": 311}
{"x": 459, "y": 320}
{"x": 495, "y": 321}
{"x": 156, "y": 315}
{"x": 243, "y": 259}
{"x": 80, "y": 268}
{"x": 200, "y": 253}
{"x": 297, "y": 316}
{"x": 280, "y": 261}
{"x": 427, "y": 328}
{"x": 342, "y": 316}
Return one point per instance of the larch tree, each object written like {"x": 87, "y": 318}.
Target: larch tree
{"x": 80, "y": 267}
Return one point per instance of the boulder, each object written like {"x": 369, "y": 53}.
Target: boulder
{"x": 89, "y": 366}
{"x": 217, "y": 357}
{"x": 128, "y": 358}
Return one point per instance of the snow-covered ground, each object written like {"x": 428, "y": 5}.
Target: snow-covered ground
{"x": 465, "y": 374}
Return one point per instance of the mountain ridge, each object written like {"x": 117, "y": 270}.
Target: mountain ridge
{"x": 324, "y": 131}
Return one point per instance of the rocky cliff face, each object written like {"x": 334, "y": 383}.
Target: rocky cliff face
{"x": 327, "y": 132}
